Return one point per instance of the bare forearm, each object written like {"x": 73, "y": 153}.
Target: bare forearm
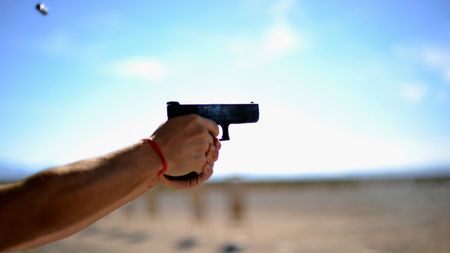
{"x": 73, "y": 196}
{"x": 58, "y": 202}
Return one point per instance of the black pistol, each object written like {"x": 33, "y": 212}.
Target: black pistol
{"x": 222, "y": 114}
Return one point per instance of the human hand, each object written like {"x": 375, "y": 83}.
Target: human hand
{"x": 189, "y": 145}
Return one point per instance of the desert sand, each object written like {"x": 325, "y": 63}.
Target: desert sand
{"x": 368, "y": 217}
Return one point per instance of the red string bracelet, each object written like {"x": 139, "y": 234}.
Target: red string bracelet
{"x": 158, "y": 151}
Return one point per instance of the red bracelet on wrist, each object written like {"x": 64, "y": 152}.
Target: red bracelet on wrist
{"x": 158, "y": 151}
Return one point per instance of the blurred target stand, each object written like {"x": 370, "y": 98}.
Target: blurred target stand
{"x": 216, "y": 208}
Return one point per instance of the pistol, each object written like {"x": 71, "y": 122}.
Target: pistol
{"x": 222, "y": 114}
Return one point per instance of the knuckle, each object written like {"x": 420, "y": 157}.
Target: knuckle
{"x": 192, "y": 117}
{"x": 196, "y": 118}
{"x": 192, "y": 120}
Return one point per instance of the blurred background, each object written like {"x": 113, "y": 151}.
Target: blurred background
{"x": 351, "y": 153}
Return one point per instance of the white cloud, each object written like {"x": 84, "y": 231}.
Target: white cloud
{"x": 433, "y": 57}
{"x": 414, "y": 92}
{"x": 277, "y": 40}
{"x": 438, "y": 59}
{"x": 281, "y": 36}
{"x": 142, "y": 68}
{"x": 280, "y": 39}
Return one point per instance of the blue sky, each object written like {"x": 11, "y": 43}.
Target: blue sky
{"x": 343, "y": 86}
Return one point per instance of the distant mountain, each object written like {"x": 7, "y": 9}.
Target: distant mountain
{"x": 416, "y": 172}
{"x": 406, "y": 172}
{"x": 10, "y": 172}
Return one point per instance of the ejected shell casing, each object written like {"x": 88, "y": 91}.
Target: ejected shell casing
{"x": 42, "y": 9}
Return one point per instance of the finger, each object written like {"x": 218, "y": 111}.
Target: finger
{"x": 211, "y": 148}
{"x": 178, "y": 184}
{"x": 203, "y": 142}
{"x": 201, "y": 159}
{"x": 213, "y": 158}
{"x": 207, "y": 164}
{"x": 192, "y": 182}
{"x": 207, "y": 173}
{"x": 217, "y": 143}
{"x": 212, "y": 140}
{"x": 212, "y": 126}
{"x": 216, "y": 156}
{"x": 211, "y": 153}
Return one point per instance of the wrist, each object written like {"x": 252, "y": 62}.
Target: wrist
{"x": 155, "y": 146}
{"x": 151, "y": 162}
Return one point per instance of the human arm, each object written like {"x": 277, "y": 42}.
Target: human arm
{"x": 60, "y": 201}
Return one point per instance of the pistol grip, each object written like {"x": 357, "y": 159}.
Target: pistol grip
{"x": 225, "y": 134}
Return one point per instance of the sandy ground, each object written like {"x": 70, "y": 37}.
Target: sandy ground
{"x": 363, "y": 217}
